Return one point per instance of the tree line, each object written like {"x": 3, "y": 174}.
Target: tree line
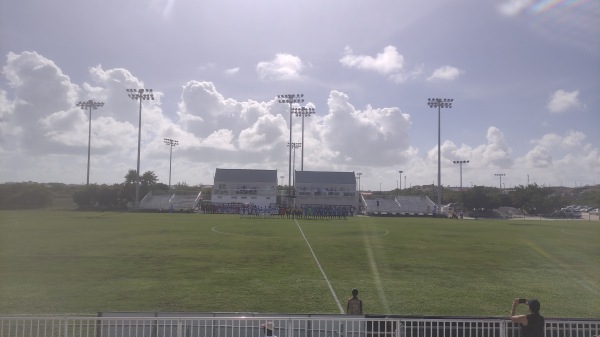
{"x": 117, "y": 196}
{"x": 31, "y": 195}
{"x": 533, "y": 199}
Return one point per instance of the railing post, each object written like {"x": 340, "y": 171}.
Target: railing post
{"x": 66, "y": 333}
{"x": 503, "y": 328}
{"x": 399, "y": 332}
{"x": 155, "y": 325}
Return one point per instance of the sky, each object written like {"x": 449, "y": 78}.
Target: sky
{"x": 524, "y": 77}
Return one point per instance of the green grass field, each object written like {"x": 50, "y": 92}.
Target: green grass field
{"x": 66, "y": 262}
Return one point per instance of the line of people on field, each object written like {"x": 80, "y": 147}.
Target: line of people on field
{"x": 304, "y": 212}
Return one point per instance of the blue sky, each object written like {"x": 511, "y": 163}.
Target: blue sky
{"x": 524, "y": 76}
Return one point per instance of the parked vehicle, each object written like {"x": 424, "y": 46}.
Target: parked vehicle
{"x": 567, "y": 213}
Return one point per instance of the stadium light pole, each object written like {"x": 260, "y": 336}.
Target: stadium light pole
{"x": 139, "y": 95}
{"x": 500, "y": 175}
{"x": 91, "y": 105}
{"x": 460, "y": 162}
{"x": 170, "y": 142}
{"x": 400, "y": 181}
{"x": 290, "y": 99}
{"x": 439, "y": 103}
{"x": 294, "y": 146}
{"x": 303, "y": 111}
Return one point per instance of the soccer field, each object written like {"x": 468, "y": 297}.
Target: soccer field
{"x": 57, "y": 262}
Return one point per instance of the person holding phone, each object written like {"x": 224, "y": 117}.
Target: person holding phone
{"x": 532, "y": 324}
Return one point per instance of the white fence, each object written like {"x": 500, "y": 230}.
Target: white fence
{"x": 280, "y": 326}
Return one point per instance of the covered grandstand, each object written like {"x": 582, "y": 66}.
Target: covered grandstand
{"x": 326, "y": 189}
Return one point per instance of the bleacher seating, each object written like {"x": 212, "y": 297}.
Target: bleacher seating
{"x": 176, "y": 201}
{"x": 401, "y": 205}
{"x": 415, "y": 204}
{"x": 155, "y": 201}
{"x": 184, "y": 202}
{"x": 387, "y": 206}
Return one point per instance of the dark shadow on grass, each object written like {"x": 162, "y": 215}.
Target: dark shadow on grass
{"x": 529, "y": 223}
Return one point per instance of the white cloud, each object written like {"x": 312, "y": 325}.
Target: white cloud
{"x": 43, "y": 132}
{"x": 42, "y": 90}
{"x": 361, "y": 137}
{"x": 61, "y": 127}
{"x": 6, "y": 114}
{"x": 231, "y": 133}
{"x": 551, "y": 157}
{"x": 221, "y": 140}
{"x": 263, "y": 135}
{"x": 495, "y": 154}
{"x": 392, "y": 64}
{"x": 566, "y": 156}
{"x": 388, "y": 62}
{"x": 540, "y": 157}
{"x": 484, "y": 160}
{"x": 445, "y": 73}
{"x": 572, "y": 140}
{"x": 232, "y": 71}
{"x": 496, "y": 151}
{"x": 562, "y": 101}
{"x": 37, "y": 79}
{"x": 282, "y": 67}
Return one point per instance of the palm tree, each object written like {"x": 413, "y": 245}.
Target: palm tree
{"x": 149, "y": 178}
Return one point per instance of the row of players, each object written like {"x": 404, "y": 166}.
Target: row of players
{"x": 303, "y": 212}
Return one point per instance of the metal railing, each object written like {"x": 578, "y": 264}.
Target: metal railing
{"x": 281, "y": 326}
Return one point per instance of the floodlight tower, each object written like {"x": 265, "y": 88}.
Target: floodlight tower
{"x": 400, "y": 181}
{"x": 460, "y": 162}
{"x": 91, "y": 105}
{"x": 290, "y": 99}
{"x": 500, "y": 175}
{"x": 139, "y": 95}
{"x": 294, "y": 146}
{"x": 303, "y": 111}
{"x": 439, "y": 103}
{"x": 170, "y": 142}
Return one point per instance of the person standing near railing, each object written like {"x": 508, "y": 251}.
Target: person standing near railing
{"x": 354, "y": 306}
{"x": 532, "y": 324}
{"x": 268, "y": 327}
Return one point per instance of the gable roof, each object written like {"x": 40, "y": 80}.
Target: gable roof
{"x": 243, "y": 175}
{"x": 325, "y": 178}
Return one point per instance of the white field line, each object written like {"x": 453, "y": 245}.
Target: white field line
{"x": 376, "y": 277}
{"x": 337, "y": 301}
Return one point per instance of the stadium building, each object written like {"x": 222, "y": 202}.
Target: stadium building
{"x": 244, "y": 186}
{"x": 326, "y": 188}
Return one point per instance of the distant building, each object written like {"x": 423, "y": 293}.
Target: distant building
{"x": 326, "y": 188}
{"x": 258, "y": 187}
